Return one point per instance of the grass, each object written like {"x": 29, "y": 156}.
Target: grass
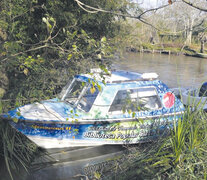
{"x": 16, "y": 152}
{"x": 181, "y": 155}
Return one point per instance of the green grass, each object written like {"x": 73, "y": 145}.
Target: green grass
{"x": 16, "y": 152}
{"x": 181, "y": 155}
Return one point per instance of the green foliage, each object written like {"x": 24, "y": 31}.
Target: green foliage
{"x": 183, "y": 152}
{"x": 148, "y": 46}
{"x": 46, "y": 42}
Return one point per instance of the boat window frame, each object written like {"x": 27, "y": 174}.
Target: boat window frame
{"x": 81, "y": 96}
{"x": 83, "y": 92}
{"x": 136, "y": 88}
{"x": 69, "y": 86}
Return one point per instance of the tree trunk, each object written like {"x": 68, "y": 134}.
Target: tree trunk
{"x": 202, "y": 47}
{"x": 189, "y": 32}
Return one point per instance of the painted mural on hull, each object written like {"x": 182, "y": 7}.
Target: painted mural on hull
{"x": 128, "y": 108}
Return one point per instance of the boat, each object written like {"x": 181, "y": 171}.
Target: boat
{"x": 101, "y": 108}
{"x": 196, "y": 54}
{"x": 196, "y": 98}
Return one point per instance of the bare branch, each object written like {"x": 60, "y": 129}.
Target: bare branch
{"x": 140, "y": 18}
{"x": 153, "y": 9}
{"x": 195, "y": 6}
{"x": 96, "y": 10}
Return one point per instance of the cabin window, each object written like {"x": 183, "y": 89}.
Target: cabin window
{"x": 81, "y": 94}
{"x": 87, "y": 100}
{"x": 140, "y": 99}
{"x": 76, "y": 88}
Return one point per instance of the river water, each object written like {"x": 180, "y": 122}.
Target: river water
{"x": 89, "y": 162}
{"x": 174, "y": 70}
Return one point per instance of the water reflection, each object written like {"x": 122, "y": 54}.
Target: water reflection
{"x": 174, "y": 70}
{"x": 101, "y": 162}
{"x": 77, "y": 163}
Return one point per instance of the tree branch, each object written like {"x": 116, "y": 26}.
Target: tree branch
{"x": 153, "y": 9}
{"x": 92, "y": 9}
{"x": 32, "y": 49}
{"x": 96, "y": 10}
{"x": 195, "y": 6}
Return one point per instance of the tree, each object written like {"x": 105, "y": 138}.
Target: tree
{"x": 40, "y": 39}
{"x": 203, "y": 39}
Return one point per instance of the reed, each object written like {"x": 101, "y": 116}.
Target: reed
{"x": 181, "y": 155}
{"x": 16, "y": 151}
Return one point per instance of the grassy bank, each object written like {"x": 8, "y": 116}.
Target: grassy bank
{"x": 181, "y": 155}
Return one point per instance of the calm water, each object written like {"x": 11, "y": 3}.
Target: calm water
{"x": 77, "y": 163}
{"x": 174, "y": 70}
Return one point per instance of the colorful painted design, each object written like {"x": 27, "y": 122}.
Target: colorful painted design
{"x": 58, "y": 123}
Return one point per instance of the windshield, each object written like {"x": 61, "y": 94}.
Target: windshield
{"x": 80, "y": 94}
{"x": 74, "y": 90}
{"x": 88, "y": 98}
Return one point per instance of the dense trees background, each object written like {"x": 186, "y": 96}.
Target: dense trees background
{"x": 172, "y": 24}
{"x": 43, "y": 42}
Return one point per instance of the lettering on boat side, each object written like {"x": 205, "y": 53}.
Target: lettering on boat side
{"x": 109, "y": 136}
{"x": 98, "y": 135}
{"x": 128, "y": 131}
{"x": 122, "y": 136}
{"x": 50, "y": 128}
{"x": 111, "y": 128}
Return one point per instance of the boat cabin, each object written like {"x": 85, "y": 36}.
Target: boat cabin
{"x": 119, "y": 95}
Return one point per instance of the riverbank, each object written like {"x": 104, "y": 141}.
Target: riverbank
{"x": 160, "y": 51}
{"x": 168, "y": 49}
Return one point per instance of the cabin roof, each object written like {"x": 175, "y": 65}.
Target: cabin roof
{"x": 124, "y": 76}
{"x": 121, "y": 76}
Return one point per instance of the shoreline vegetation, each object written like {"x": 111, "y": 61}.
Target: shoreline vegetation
{"x": 185, "y": 50}
{"x": 17, "y": 152}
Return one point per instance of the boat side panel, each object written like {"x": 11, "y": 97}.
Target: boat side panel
{"x": 120, "y": 132}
